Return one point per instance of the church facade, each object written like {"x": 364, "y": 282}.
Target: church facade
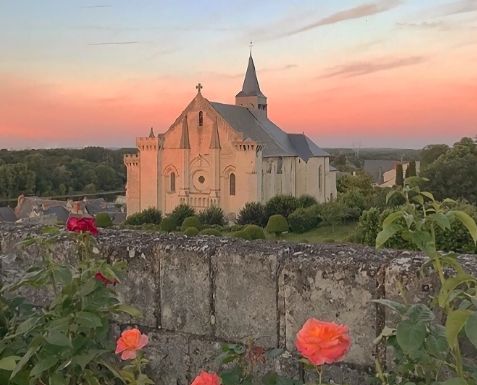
{"x": 225, "y": 155}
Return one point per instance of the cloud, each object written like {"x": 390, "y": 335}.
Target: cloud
{"x": 358, "y": 12}
{"x": 439, "y": 25}
{"x": 115, "y": 43}
{"x": 456, "y": 7}
{"x": 366, "y": 68}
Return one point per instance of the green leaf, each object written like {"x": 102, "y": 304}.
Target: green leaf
{"x": 468, "y": 222}
{"x": 34, "y": 346}
{"x": 441, "y": 220}
{"x": 454, "y": 381}
{"x": 420, "y": 312}
{"x": 454, "y": 324}
{"x": 57, "y": 379}
{"x": 385, "y": 234}
{"x": 57, "y": 338}
{"x": 450, "y": 284}
{"x": 428, "y": 195}
{"x": 88, "y": 287}
{"x": 62, "y": 275}
{"x": 393, "y": 305}
{"x": 391, "y": 218}
{"x": 84, "y": 359}
{"x": 9, "y": 363}
{"x": 471, "y": 328}
{"x": 88, "y": 320}
{"x": 43, "y": 365}
{"x": 410, "y": 335}
{"x": 131, "y": 310}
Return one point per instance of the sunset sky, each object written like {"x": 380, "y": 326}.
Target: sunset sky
{"x": 348, "y": 73}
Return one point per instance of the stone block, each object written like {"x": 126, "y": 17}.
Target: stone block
{"x": 185, "y": 291}
{"x": 330, "y": 289}
{"x": 203, "y": 354}
{"x": 246, "y": 294}
{"x": 168, "y": 359}
{"x": 341, "y": 374}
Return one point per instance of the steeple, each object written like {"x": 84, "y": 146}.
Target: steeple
{"x": 215, "y": 140}
{"x": 251, "y": 96}
{"x": 151, "y": 133}
{"x": 185, "y": 144}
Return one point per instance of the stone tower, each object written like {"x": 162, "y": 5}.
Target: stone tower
{"x": 251, "y": 96}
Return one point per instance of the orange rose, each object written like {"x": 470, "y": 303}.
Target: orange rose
{"x": 322, "y": 342}
{"x": 129, "y": 343}
{"x": 205, "y": 378}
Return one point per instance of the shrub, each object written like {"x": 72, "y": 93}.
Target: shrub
{"x": 250, "y": 232}
{"x": 213, "y": 232}
{"x": 277, "y": 224}
{"x": 302, "y": 220}
{"x": 281, "y": 205}
{"x": 253, "y": 213}
{"x": 212, "y": 216}
{"x": 306, "y": 201}
{"x": 181, "y": 212}
{"x": 354, "y": 203}
{"x": 369, "y": 226}
{"x": 168, "y": 224}
{"x": 192, "y": 221}
{"x": 103, "y": 220}
{"x": 150, "y": 215}
{"x": 332, "y": 213}
{"x": 191, "y": 231}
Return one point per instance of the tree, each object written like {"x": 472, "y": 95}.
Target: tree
{"x": 432, "y": 152}
{"x": 253, "y": 213}
{"x": 361, "y": 181}
{"x": 399, "y": 175}
{"x": 277, "y": 224}
{"x": 411, "y": 169}
{"x": 454, "y": 174}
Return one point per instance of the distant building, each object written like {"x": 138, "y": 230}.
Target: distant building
{"x": 225, "y": 155}
{"x": 383, "y": 172}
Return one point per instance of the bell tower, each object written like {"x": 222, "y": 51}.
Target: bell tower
{"x": 251, "y": 96}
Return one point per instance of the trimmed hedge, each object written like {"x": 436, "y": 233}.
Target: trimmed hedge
{"x": 192, "y": 221}
{"x": 103, "y": 220}
{"x": 277, "y": 224}
{"x": 250, "y": 233}
{"x": 168, "y": 224}
{"x": 214, "y": 232}
{"x": 191, "y": 231}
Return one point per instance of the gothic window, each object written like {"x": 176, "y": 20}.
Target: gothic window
{"x": 320, "y": 176}
{"x": 232, "y": 184}
{"x": 201, "y": 118}
{"x": 173, "y": 182}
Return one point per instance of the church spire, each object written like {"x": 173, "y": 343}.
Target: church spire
{"x": 251, "y": 96}
{"x": 151, "y": 133}
{"x": 185, "y": 144}
{"x": 215, "y": 140}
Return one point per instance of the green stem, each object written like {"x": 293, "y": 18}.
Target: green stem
{"x": 319, "y": 369}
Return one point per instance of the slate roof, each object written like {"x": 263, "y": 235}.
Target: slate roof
{"x": 259, "y": 128}
{"x": 377, "y": 168}
{"x": 7, "y": 214}
{"x": 250, "y": 85}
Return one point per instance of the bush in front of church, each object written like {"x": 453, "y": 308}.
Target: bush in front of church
{"x": 250, "y": 233}
{"x": 192, "y": 221}
{"x": 181, "y": 212}
{"x": 103, "y": 220}
{"x": 191, "y": 231}
{"x": 213, "y": 215}
{"x": 282, "y": 205}
{"x": 303, "y": 219}
{"x": 306, "y": 201}
{"x": 253, "y": 213}
{"x": 168, "y": 224}
{"x": 214, "y": 232}
{"x": 277, "y": 224}
{"x": 151, "y": 215}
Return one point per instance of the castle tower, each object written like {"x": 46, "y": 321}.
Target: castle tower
{"x": 251, "y": 96}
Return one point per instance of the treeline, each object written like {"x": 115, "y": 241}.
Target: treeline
{"x": 59, "y": 172}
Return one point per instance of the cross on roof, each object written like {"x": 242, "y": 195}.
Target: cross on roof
{"x": 199, "y": 87}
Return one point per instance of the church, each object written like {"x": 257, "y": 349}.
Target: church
{"x": 225, "y": 155}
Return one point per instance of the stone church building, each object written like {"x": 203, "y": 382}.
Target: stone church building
{"x": 225, "y": 155}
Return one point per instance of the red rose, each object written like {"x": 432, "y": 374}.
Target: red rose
{"x": 82, "y": 225}
{"x": 102, "y": 278}
{"x": 205, "y": 378}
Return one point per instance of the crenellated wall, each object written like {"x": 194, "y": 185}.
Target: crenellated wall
{"x": 199, "y": 292}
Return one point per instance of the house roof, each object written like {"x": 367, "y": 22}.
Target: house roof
{"x": 27, "y": 204}
{"x": 7, "y": 214}
{"x": 59, "y": 212}
{"x": 274, "y": 140}
{"x": 250, "y": 85}
{"x": 376, "y": 168}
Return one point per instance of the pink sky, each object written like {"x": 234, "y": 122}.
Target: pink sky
{"x": 403, "y": 76}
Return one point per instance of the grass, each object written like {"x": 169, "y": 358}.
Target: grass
{"x": 322, "y": 234}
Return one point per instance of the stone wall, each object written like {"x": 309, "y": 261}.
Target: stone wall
{"x": 197, "y": 293}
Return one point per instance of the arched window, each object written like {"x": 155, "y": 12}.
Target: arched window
{"x": 232, "y": 184}
{"x": 201, "y": 118}
{"x": 320, "y": 176}
{"x": 173, "y": 182}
